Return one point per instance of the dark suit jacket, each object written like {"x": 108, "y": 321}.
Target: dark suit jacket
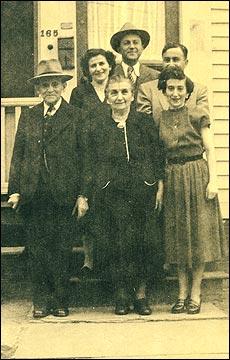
{"x": 106, "y": 143}
{"x": 85, "y": 97}
{"x": 63, "y": 154}
{"x": 146, "y": 74}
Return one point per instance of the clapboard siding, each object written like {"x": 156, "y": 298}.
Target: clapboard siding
{"x": 223, "y": 181}
{"x": 220, "y": 85}
{"x": 220, "y": 71}
{"x": 219, "y": 5}
{"x": 221, "y": 154}
{"x": 220, "y": 57}
{"x": 220, "y": 98}
{"x": 220, "y": 14}
{"x": 222, "y": 168}
{"x": 220, "y": 43}
{"x": 221, "y": 126}
{"x": 218, "y": 29}
{"x": 221, "y": 112}
{"x": 221, "y": 140}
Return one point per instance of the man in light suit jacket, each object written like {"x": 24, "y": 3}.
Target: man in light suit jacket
{"x": 152, "y": 101}
{"x": 130, "y": 42}
{"x": 44, "y": 185}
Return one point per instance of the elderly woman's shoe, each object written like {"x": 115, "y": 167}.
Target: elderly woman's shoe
{"x": 179, "y": 307}
{"x": 193, "y": 307}
{"x": 141, "y": 307}
{"x": 122, "y": 307}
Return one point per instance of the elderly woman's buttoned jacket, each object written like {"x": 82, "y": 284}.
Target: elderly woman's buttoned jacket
{"x": 107, "y": 146}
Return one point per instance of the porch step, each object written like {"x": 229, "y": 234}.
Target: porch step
{"x": 18, "y": 250}
{"x": 210, "y": 275}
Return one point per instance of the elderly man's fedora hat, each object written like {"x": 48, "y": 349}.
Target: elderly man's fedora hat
{"x": 49, "y": 68}
{"x": 128, "y": 28}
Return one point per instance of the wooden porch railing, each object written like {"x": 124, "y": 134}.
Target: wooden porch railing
{"x": 10, "y": 113}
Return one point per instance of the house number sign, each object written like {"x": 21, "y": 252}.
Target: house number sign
{"x": 49, "y": 33}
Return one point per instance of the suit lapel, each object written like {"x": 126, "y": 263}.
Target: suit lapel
{"x": 163, "y": 100}
{"x": 36, "y": 119}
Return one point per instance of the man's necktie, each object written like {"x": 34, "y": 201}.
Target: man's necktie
{"x": 49, "y": 111}
{"x": 130, "y": 74}
{"x": 47, "y": 131}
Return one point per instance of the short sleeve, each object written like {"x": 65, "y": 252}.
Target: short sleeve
{"x": 199, "y": 118}
{"x": 205, "y": 121}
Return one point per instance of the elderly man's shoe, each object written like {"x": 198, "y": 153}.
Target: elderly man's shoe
{"x": 122, "y": 307}
{"x": 142, "y": 307}
{"x": 39, "y": 313}
{"x": 61, "y": 312}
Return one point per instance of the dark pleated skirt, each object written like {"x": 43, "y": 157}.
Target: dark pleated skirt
{"x": 193, "y": 226}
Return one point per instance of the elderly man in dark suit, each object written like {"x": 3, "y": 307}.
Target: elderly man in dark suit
{"x": 151, "y": 100}
{"x": 44, "y": 185}
{"x": 130, "y": 42}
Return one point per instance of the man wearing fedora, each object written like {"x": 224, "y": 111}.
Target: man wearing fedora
{"x": 130, "y": 42}
{"x": 45, "y": 186}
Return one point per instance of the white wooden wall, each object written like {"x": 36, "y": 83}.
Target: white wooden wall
{"x": 204, "y": 31}
{"x": 220, "y": 77}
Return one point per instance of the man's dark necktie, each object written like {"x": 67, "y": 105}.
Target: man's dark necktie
{"x": 49, "y": 111}
{"x": 47, "y": 131}
{"x": 130, "y": 73}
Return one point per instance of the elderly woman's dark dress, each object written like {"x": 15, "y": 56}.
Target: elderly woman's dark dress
{"x": 126, "y": 168}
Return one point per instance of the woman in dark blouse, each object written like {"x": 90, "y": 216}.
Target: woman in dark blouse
{"x": 97, "y": 65}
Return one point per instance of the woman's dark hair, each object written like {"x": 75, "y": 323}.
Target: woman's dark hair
{"x": 174, "y": 72}
{"x": 110, "y": 57}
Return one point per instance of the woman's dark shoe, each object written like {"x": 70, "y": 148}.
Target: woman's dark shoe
{"x": 122, "y": 307}
{"x": 193, "y": 307}
{"x": 39, "y": 313}
{"x": 61, "y": 312}
{"x": 180, "y": 306}
{"x": 141, "y": 307}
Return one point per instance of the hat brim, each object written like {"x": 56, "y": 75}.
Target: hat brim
{"x": 116, "y": 38}
{"x": 64, "y": 77}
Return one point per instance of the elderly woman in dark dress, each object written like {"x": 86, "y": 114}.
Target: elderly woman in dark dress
{"x": 193, "y": 224}
{"x": 127, "y": 182}
{"x": 97, "y": 65}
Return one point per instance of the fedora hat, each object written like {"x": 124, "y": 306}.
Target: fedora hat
{"x": 126, "y": 29}
{"x": 49, "y": 68}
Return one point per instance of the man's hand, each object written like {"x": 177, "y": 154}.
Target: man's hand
{"x": 81, "y": 207}
{"x": 14, "y": 200}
